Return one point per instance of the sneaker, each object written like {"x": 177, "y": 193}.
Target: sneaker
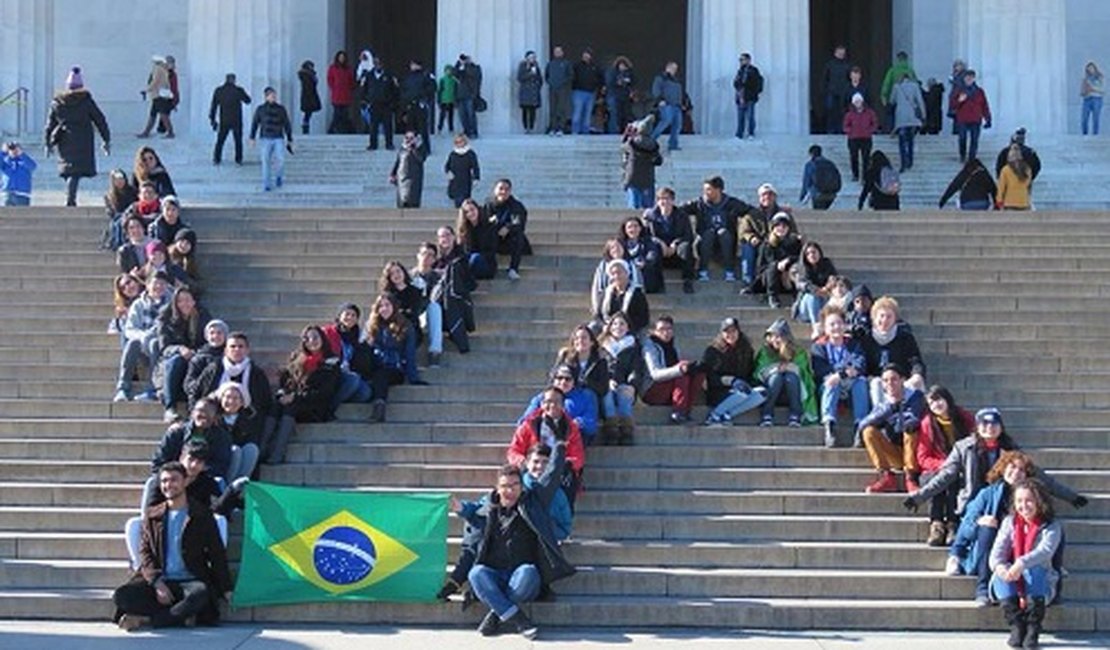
{"x": 886, "y": 482}
{"x": 678, "y": 417}
{"x": 982, "y": 600}
{"x": 687, "y": 286}
{"x": 952, "y": 566}
{"x": 490, "y": 625}
{"x": 730, "y": 276}
{"x": 278, "y": 181}
{"x": 746, "y": 290}
{"x": 936, "y": 533}
{"x": 767, "y": 421}
{"x": 120, "y": 396}
{"x": 830, "y": 434}
{"x": 450, "y": 588}
{"x": 433, "y": 359}
{"x": 703, "y": 276}
{"x": 132, "y": 622}
{"x": 523, "y": 625}
{"x": 147, "y": 396}
{"x": 773, "y": 301}
{"x": 265, "y": 188}
{"x": 712, "y": 420}
{"x": 794, "y": 421}
{"x": 513, "y": 275}
{"x": 170, "y": 415}
{"x": 950, "y": 532}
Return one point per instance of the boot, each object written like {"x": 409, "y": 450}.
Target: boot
{"x": 1015, "y": 618}
{"x": 830, "y": 434}
{"x": 377, "y": 410}
{"x": 886, "y": 482}
{"x": 1034, "y": 616}
{"x": 936, "y": 534}
{"x": 610, "y": 432}
{"x": 625, "y": 428}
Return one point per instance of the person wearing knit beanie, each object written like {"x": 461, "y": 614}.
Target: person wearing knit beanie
{"x": 74, "y": 80}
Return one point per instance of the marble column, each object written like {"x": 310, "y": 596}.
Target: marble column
{"x": 1019, "y": 50}
{"x": 25, "y": 52}
{"x": 496, "y": 34}
{"x": 248, "y": 37}
{"x": 776, "y": 34}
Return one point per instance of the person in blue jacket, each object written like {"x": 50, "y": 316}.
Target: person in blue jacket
{"x": 16, "y": 168}
{"x": 580, "y": 404}
{"x": 393, "y": 339}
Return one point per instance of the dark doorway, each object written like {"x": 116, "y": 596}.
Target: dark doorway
{"x": 649, "y": 32}
{"x": 398, "y": 31}
{"x": 866, "y": 28}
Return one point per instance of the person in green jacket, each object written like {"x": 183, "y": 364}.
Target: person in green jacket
{"x": 445, "y": 97}
{"x": 782, "y": 364}
{"x": 894, "y": 74}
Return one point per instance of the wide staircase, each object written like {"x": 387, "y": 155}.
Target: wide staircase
{"x": 731, "y": 527}
{"x": 575, "y": 171}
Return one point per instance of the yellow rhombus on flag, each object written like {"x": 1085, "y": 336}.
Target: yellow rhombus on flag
{"x": 304, "y": 545}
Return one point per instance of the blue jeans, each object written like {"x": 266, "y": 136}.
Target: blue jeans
{"x": 809, "y": 308}
{"x": 468, "y": 117}
{"x": 133, "y": 350}
{"x": 583, "y": 106}
{"x": 173, "y": 378}
{"x": 611, "y": 125}
{"x": 432, "y": 322}
{"x": 857, "y": 395}
{"x": 745, "y": 117}
{"x": 1036, "y": 584}
{"x": 747, "y": 263}
{"x": 1092, "y": 109}
{"x": 273, "y": 160}
{"x": 669, "y": 116}
{"x": 738, "y": 402}
{"x": 483, "y": 267}
{"x": 969, "y": 131}
{"x": 505, "y": 590}
{"x": 352, "y": 388}
{"x": 640, "y": 198}
{"x": 984, "y": 204}
{"x": 905, "y": 145}
{"x": 793, "y": 385}
{"x": 618, "y": 403}
{"x": 12, "y": 200}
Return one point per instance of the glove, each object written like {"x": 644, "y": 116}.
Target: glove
{"x": 910, "y": 504}
{"x": 1079, "y": 502}
{"x": 987, "y": 124}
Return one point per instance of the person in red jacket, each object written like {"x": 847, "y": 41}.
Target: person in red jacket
{"x": 944, "y": 423}
{"x": 341, "y": 87}
{"x": 970, "y": 107}
{"x": 860, "y": 123}
{"x": 549, "y": 424}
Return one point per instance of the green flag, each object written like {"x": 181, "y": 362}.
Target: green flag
{"x": 303, "y": 545}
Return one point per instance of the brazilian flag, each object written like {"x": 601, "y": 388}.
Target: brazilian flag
{"x": 304, "y": 545}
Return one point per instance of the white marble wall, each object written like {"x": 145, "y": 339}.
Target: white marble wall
{"x": 1087, "y": 41}
{"x": 923, "y": 28}
{"x": 495, "y": 34}
{"x": 23, "y": 60}
{"x": 1019, "y": 50}
{"x": 776, "y": 33}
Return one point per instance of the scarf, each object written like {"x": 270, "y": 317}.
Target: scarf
{"x": 884, "y": 339}
{"x": 462, "y": 151}
{"x": 614, "y": 348}
{"x": 1025, "y": 537}
{"x": 312, "y": 361}
{"x": 946, "y": 426}
{"x": 549, "y": 431}
{"x": 239, "y": 373}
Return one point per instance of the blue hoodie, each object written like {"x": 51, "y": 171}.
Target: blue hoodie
{"x": 15, "y": 174}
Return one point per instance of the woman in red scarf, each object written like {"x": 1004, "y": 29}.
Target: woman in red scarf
{"x": 1022, "y": 561}
{"x": 306, "y": 387}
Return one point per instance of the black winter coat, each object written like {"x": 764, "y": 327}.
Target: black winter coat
{"x": 668, "y": 229}
{"x": 640, "y": 156}
{"x": 465, "y": 172}
{"x": 173, "y": 441}
{"x": 902, "y": 350}
{"x": 310, "y": 97}
{"x": 732, "y": 363}
{"x": 227, "y": 102}
{"x": 312, "y": 400}
{"x": 209, "y": 380}
{"x": 173, "y": 333}
{"x": 69, "y": 130}
{"x": 594, "y": 374}
{"x": 731, "y": 212}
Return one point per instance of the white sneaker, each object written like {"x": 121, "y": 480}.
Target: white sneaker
{"x": 952, "y": 566}
{"x": 513, "y": 275}
{"x": 169, "y": 416}
{"x": 121, "y": 396}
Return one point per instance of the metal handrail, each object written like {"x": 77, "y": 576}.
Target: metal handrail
{"x": 20, "y": 96}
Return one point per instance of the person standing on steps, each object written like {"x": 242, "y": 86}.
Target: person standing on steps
{"x": 748, "y": 84}
{"x": 468, "y": 94}
{"x": 860, "y": 124}
{"x": 341, "y": 88}
{"x": 270, "y": 124}
{"x": 972, "y": 113}
{"x": 310, "y": 97}
{"x": 894, "y": 74}
{"x": 530, "y": 79}
{"x": 417, "y": 96}
{"x": 379, "y": 95}
{"x": 1091, "y": 90}
{"x": 820, "y": 180}
{"x": 445, "y": 97}
{"x": 586, "y": 79}
{"x": 837, "y": 70}
{"x": 639, "y": 157}
{"x": 667, "y": 93}
{"x": 161, "y": 96}
{"x": 408, "y": 172}
{"x": 559, "y": 74}
{"x": 229, "y": 99}
{"x": 462, "y": 170}
{"x": 909, "y": 113}
{"x": 69, "y": 130}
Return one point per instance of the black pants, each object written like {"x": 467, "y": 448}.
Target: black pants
{"x": 721, "y": 238}
{"x": 859, "y": 151}
{"x": 528, "y": 117}
{"x": 446, "y": 114}
{"x": 382, "y": 379}
{"x": 71, "y": 190}
{"x": 340, "y": 120}
{"x": 513, "y": 244}
{"x": 305, "y": 121}
{"x": 823, "y": 201}
{"x": 221, "y": 137}
{"x": 683, "y": 258}
{"x": 942, "y": 507}
{"x": 381, "y": 118}
{"x": 139, "y": 598}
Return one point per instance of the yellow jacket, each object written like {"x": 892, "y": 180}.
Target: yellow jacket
{"x": 1012, "y": 191}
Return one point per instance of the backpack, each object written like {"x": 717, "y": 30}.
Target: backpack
{"x": 826, "y": 177}
{"x": 889, "y": 182}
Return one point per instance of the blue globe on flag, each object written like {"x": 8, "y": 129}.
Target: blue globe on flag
{"x": 344, "y": 555}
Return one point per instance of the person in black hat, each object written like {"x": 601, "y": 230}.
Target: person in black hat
{"x": 728, "y": 366}
{"x": 1028, "y": 154}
